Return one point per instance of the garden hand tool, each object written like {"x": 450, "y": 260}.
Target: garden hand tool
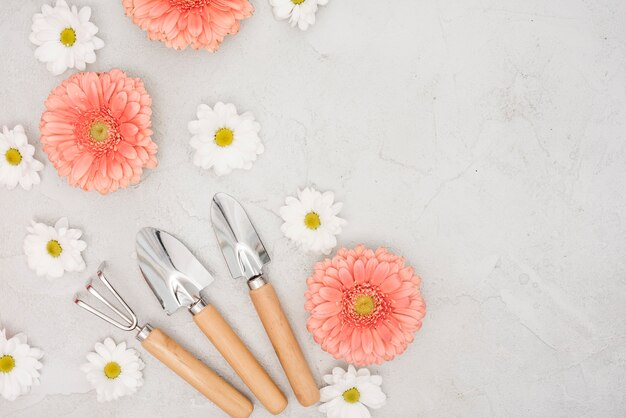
{"x": 245, "y": 256}
{"x": 177, "y": 277}
{"x": 170, "y": 353}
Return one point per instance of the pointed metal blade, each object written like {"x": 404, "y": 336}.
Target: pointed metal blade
{"x": 241, "y": 246}
{"x": 173, "y": 273}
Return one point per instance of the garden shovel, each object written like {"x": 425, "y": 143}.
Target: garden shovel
{"x": 177, "y": 277}
{"x": 245, "y": 256}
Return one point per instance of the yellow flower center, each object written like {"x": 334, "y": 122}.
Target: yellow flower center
{"x": 13, "y": 156}
{"x": 224, "y": 137}
{"x": 298, "y": 1}
{"x": 351, "y": 395}
{"x": 68, "y": 37}
{"x": 54, "y": 248}
{"x": 7, "y": 363}
{"x": 99, "y": 131}
{"x": 312, "y": 220}
{"x": 112, "y": 370}
{"x": 364, "y": 305}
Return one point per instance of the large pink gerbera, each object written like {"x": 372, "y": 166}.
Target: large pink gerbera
{"x": 365, "y": 305}
{"x": 203, "y": 24}
{"x": 96, "y": 130}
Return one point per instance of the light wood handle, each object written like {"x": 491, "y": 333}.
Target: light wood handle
{"x": 240, "y": 359}
{"x": 285, "y": 344}
{"x": 197, "y": 374}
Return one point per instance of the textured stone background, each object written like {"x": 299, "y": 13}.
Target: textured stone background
{"x": 482, "y": 139}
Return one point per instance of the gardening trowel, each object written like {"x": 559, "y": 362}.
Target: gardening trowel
{"x": 245, "y": 255}
{"x": 176, "y": 277}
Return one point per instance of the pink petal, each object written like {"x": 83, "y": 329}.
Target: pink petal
{"x": 115, "y": 169}
{"x": 380, "y": 273}
{"x": 331, "y": 322}
{"x": 81, "y": 166}
{"x": 344, "y": 347}
{"x": 359, "y": 272}
{"x": 405, "y": 290}
{"x": 128, "y": 131}
{"x": 417, "y": 314}
{"x": 77, "y": 96}
{"x": 346, "y": 278}
{"x": 331, "y": 282}
{"x": 367, "y": 340}
{"x": 384, "y": 332}
{"x": 71, "y": 153}
{"x": 131, "y": 110}
{"x": 195, "y": 24}
{"x": 327, "y": 309}
{"x": 126, "y": 150}
{"x": 371, "y": 265}
{"x": 392, "y": 325}
{"x": 118, "y": 103}
{"x": 159, "y": 8}
{"x": 170, "y": 21}
{"x": 332, "y": 272}
{"x": 408, "y": 320}
{"x": 391, "y": 284}
{"x": 355, "y": 341}
{"x": 317, "y": 299}
{"x": 379, "y": 347}
{"x": 331, "y": 294}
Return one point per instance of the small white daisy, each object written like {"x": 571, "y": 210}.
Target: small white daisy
{"x": 65, "y": 37}
{"x": 311, "y": 220}
{"x": 299, "y": 12}
{"x": 52, "y": 251}
{"x": 17, "y": 164}
{"x": 350, "y": 393}
{"x": 223, "y": 139}
{"x": 113, "y": 370}
{"x": 19, "y": 365}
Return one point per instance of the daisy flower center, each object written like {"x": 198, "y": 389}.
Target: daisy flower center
{"x": 351, "y": 395}
{"x": 68, "y": 37}
{"x": 7, "y": 363}
{"x": 13, "y": 156}
{"x": 112, "y": 370}
{"x": 312, "y": 220}
{"x": 364, "y": 305}
{"x": 185, "y": 5}
{"x": 99, "y": 131}
{"x": 53, "y": 248}
{"x": 296, "y": 2}
{"x": 224, "y": 137}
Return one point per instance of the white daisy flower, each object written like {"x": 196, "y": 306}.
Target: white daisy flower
{"x": 17, "y": 164}
{"x": 65, "y": 37}
{"x": 311, "y": 220}
{"x": 299, "y": 12}
{"x": 350, "y": 393}
{"x": 113, "y": 370}
{"x": 52, "y": 251}
{"x": 223, "y": 139}
{"x": 19, "y": 365}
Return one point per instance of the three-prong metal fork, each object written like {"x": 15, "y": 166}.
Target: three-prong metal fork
{"x": 169, "y": 352}
{"x": 130, "y": 319}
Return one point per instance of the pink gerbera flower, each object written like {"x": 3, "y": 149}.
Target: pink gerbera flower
{"x": 365, "y": 305}
{"x": 203, "y": 24}
{"x": 96, "y": 130}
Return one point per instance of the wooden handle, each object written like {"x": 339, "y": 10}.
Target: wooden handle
{"x": 240, "y": 359}
{"x": 197, "y": 374}
{"x": 285, "y": 344}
